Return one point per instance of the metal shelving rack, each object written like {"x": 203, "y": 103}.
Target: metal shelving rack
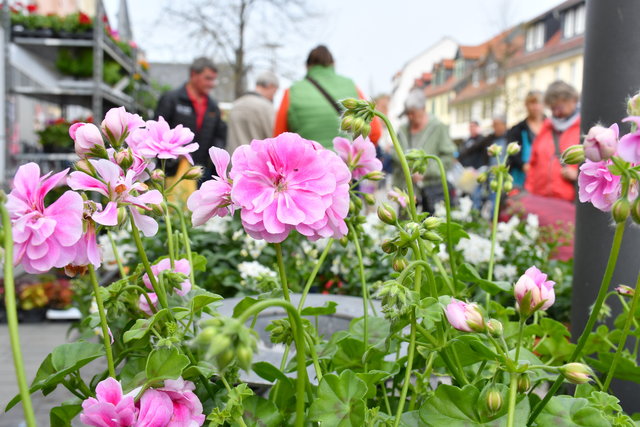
{"x": 91, "y": 93}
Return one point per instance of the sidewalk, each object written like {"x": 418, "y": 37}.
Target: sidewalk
{"x": 37, "y": 340}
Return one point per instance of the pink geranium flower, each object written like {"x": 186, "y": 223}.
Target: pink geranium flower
{"x": 359, "y": 155}
{"x": 87, "y": 249}
{"x": 44, "y": 236}
{"x": 629, "y": 145}
{"x": 110, "y": 408}
{"x": 535, "y": 282}
{"x": 290, "y": 183}
{"x": 596, "y": 184}
{"x": 465, "y": 317}
{"x": 157, "y": 139}
{"x": 87, "y": 139}
{"x": 214, "y": 196}
{"x": 120, "y": 189}
{"x": 181, "y": 266}
{"x": 156, "y": 409}
{"x": 601, "y": 143}
{"x": 187, "y": 409}
{"x": 118, "y": 124}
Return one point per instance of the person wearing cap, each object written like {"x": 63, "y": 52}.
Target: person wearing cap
{"x": 310, "y": 106}
{"x": 191, "y": 106}
{"x": 251, "y": 116}
{"x": 427, "y": 133}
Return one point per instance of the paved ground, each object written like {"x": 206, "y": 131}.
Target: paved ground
{"x": 37, "y": 341}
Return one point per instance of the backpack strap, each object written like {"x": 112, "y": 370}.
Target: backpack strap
{"x": 329, "y": 98}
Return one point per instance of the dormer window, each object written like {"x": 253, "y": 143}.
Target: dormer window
{"x": 492, "y": 72}
{"x": 574, "y": 22}
{"x": 535, "y": 37}
{"x": 475, "y": 77}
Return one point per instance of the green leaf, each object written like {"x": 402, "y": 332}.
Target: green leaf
{"x": 62, "y": 361}
{"x": 268, "y": 372}
{"x": 457, "y": 232}
{"x": 199, "y": 262}
{"x": 570, "y": 411}
{"x": 61, "y": 416}
{"x": 372, "y": 379}
{"x": 142, "y": 326}
{"x": 625, "y": 369}
{"x": 328, "y": 308}
{"x": 261, "y": 412}
{"x": 430, "y": 311}
{"x": 203, "y": 368}
{"x": 165, "y": 364}
{"x": 243, "y": 305}
{"x": 468, "y": 273}
{"x": 340, "y": 401}
{"x": 204, "y": 299}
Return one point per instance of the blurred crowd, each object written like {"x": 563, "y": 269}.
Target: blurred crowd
{"x": 539, "y": 182}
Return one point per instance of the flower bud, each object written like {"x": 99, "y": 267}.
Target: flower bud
{"x": 495, "y": 328}
{"x": 576, "y": 373}
{"x": 573, "y": 155}
{"x": 84, "y": 166}
{"x": 494, "y": 150}
{"x": 431, "y": 236}
{"x": 482, "y": 178}
{"x": 432, "y": 222}
{"x": 346, "y": 123}
{"x": 601, "y": 143}
{"x": 465, "y": 317}
{"x": 524, "y": 383}
{"x": 494, "y": 400}
{"x": 507, "y": 186}
{"x": 366, "y": 130}
{"x": 357, "y": 124}
{"x": 374, "y": 176}
{"x": 493, "y": 185}
{"x": 194, "y": 173}
{"x": 635, "y": 211}
{"x": 387, "y": 213}
{"x": 625, "y": 291}
{"x": 388, "y": 247}
{"x": 349, "y": 103}
{"x": 369, "y": 199}
{"x": 87, "y": 140}
{"x": 157, "y": 175}
{"x": 620, "y": 210}
{"x": 399, "y": 263}
{"x": 344, "y": 241}
{"x": 396, "y": 299}
{"x": 122, "y": 214}
{"x": 513, "y": 148}
{"x": 633, "y": 106}
{"x": 533, "y": 292}
{"x": 124, "y": 159}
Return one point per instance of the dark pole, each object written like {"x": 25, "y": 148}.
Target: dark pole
{"x": 611, "y": 64}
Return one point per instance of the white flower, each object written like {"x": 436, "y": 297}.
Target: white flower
{"x": 507, "y": 273}
{"x": 507, "y": 229}
{"x": 253, "y": 269}
{"x": 217, "y": 224}
{"x": 443, "y": 254}
{"x": 532, "y": 227}
{"x": 125, "y": 250}
{"x": 477, "y": 249}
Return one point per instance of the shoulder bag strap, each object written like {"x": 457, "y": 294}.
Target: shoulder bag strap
{"x": 329, "y": 98}
{"x": 556, "y": 142}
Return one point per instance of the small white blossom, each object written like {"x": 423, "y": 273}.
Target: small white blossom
{"x": 477, "y": 249}
{"x": 217, "y": 224}
{"x": 507, "y": 273}
{"x": 253, "y": 269}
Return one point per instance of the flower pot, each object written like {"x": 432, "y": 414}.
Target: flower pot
{"x": 66, "y": 34}
{"x": 18, "y": 31}
{"x": 44, "y": 32}
{"x": 87, "y": 35}
{"x": 35, "y": 315}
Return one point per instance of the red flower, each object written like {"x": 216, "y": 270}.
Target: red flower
{"x": 32, "y": 8}
{"x": 84, "y": 19}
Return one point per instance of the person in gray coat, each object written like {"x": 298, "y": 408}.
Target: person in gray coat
{"x": 252, "y": 115}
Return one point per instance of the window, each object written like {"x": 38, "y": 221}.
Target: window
{"x": 574, "y": 22}
{"x": 475, "y": 77}
{"x": 492, "y": 72}
{"x": 535, "y": 37}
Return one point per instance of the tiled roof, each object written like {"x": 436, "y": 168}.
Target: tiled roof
{"x": 470, "y": 91}
{"x": 438, "y": 90}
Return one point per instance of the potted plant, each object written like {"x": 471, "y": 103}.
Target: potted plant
{"x": 33, "y": 301}
{"x": 55, "y": 137}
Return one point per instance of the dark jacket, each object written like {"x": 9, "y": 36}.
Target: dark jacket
{"x": 473, "y": 152}
{"x": 177, "y": 109}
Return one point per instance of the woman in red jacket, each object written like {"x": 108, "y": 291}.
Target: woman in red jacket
{"x": 547, "y": 177}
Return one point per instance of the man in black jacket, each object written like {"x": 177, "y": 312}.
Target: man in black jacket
{"x": 191, "y": 106}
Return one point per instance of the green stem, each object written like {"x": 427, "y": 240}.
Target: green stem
{"x": 167, "y": 220}
{"x": 447, "y": 204}
{"x": 282, "y": 271}
{"x": 147, "y": 267}
{"x": 519, "y": 342}
{"x": 403, "y": 164}
{"x": 12, "y": 318}
{"x": 593, "y": 317}
{"x": 302, "y": 380}
{"x": 625, "y": 333}
{"x": 116, "y": 254}
{"x": 513, "y": 388}
{"x": 314, "y": 356}
{"x": 185, "y": 241}
{"x": 106, "y": 338}
{"x": 407, "y": 375}
{"x": 494, "y": 230}
{"x": 314, "y": 273}
{"x": 365, "y": 304}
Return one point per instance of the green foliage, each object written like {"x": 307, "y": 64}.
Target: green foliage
{"x": 340, "y": 401}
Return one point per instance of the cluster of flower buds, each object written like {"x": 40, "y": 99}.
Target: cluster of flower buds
{"x": 226, "y": 340}
{"x": 357, "y": 116}
{"x": 281, "y": 332}
{"x": 397, "y": 299}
